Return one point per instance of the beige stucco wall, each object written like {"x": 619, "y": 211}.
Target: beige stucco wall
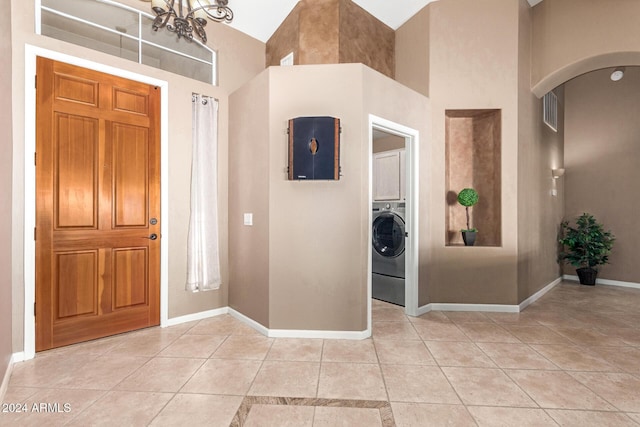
{"x": 240, "y": 57}
{"x": 572, "y": 37}
{"x": 317, "y": 244}
{"x": 602, "y": 148}
{"x": 476, "y": 55}
{"x": 249, "y": 193}
{"x": 473, "y": 65}
{"x": 6, "y": 160}
{"x": 540, "y": 149}
{"x": 412, "y": 52}
{"x": 315, "y": 247}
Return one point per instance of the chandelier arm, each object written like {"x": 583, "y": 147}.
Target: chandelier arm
{"x": 198, "y": 27}
{"x": 162, "y": 20}
{"x": 185, "y": 21}
{"x": 219, "y": 13}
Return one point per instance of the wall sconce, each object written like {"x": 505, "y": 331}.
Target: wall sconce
{"x": 557, "y": 173}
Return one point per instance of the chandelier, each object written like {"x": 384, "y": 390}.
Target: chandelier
{"x": 189, "y": 16}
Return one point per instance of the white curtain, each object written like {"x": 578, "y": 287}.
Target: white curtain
{"x": 203, "y": 262}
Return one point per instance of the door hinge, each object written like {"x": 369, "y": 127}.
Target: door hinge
{"x": 35, "y": 81}
{"x": 35, "y": 159}
{"x": 34, "y": 309}
{"x": 34, "y": 233}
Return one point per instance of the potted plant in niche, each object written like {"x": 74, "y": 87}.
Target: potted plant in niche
{"x": 468, "y": 197}
{"x": 585, "y": 246}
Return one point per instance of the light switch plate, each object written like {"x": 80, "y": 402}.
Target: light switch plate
{"x": 248, "y": 219}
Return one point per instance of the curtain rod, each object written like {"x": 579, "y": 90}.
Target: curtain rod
{"x": 204, "y": 97}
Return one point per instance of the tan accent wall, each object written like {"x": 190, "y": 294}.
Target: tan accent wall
{"x": 473, "y": 148}
{"x": 572, "y": 37}
{"x": 285, "y": 39}
{"x": 540, "y": 149}
{"x": 602, "y": 148}
{"x": 240, "y": 59}
{"x": 319, "y": 32}
{"x": 332, "y": 32}
{"x": 317, "y": 243}
{"x": 365, "y": 39}
{"x": 6, "y": 167}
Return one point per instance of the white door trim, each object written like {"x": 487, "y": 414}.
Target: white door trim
{"x": 31, "y": 52}
{"x": 412, "y": 146}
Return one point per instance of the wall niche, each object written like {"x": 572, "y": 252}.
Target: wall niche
{"x": 473, "y": 146}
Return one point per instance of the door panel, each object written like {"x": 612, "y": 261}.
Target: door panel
{"x": 130, "y": 178}
{"x": 76, "y": 283}
{"x": 97, "y": 185}
{"x": 76, "y": 166}
{"x": 130, "y": 101}
{"x": 76, "y": 89}
{"x": 128, "y": 289}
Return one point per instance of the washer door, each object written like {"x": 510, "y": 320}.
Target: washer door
{"x": 388, "y": 235}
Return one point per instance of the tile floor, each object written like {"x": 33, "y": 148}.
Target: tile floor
{"x": 570, "y": 359}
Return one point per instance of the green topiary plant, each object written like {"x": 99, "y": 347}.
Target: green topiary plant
{"x": 467, "y": 198}
{"x": 587, "y": 245}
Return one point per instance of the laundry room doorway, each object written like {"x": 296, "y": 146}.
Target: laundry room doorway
{"x": 393, "y": 231}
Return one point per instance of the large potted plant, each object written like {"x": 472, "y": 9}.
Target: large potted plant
{"x": 467, "y": 198}
{"x": 585, "y": 246}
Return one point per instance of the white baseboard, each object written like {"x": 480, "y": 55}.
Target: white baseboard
{"x": 298, "y": 333}
{"x": 533, "y": 298}
{"x": 423, "y": 310}
{"x": 249, "y": 321}
{"x": 15, "y": 357}
{"x": 495, "y": 308}
{"x": 306, "y": 333}
{"x": 5, "y": 380}
{"x": 275, "y": 333}
{"x": 605, "y": 282}
{"x": 196, "y": 316}
{"x": 358, "y": 335}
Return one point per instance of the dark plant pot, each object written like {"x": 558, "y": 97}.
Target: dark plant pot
{"x": 469, "y": 237}
{"x": 587, "y": 276}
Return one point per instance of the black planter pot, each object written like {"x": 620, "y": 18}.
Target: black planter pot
{"x": 469, "y": 237}
{"x": 587, "y": 276}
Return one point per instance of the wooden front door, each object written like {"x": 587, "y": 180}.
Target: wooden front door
{"x": 97, "y": 205}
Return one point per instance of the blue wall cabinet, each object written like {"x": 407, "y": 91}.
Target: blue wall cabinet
{"x": 314, "y": 148}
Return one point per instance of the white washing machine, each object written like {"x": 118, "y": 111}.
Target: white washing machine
{"x": 388, "y": 236}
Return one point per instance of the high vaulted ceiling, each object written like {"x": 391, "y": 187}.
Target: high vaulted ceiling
{"x": 260, "y": 18}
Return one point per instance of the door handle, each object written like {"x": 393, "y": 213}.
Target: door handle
{"x": 153, "y": 236}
